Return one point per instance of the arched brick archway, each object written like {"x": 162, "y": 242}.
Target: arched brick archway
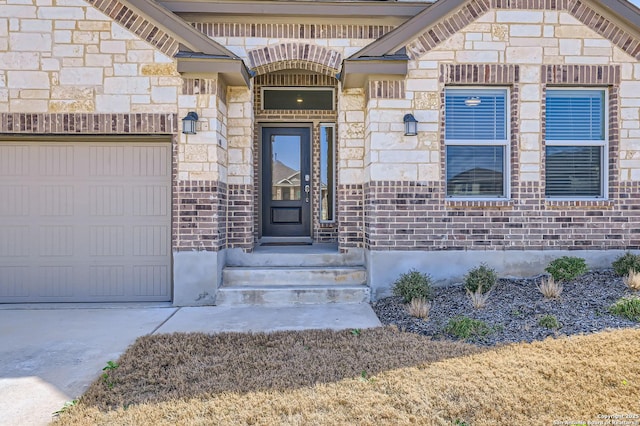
{"x": 301, "y": 56}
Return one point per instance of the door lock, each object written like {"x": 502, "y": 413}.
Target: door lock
{"x": 307, "y": 189}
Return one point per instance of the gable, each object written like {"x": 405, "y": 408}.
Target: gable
{"x": 615, "y": 20}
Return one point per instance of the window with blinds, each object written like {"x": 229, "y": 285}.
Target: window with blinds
{"x": 476, "y": 139}
{"x": 575, "y": 143}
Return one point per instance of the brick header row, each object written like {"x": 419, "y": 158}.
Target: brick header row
{"x": 80, "y": 123}
{"x": 479, "y": 74}
{"x": 581, "y": 74}
{"x": 296, "y": 31}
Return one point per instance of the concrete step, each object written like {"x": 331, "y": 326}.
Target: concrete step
{"x": 304, "y": 256}
{"x": 292, "y": 295}
{"x": 233, "y": 276}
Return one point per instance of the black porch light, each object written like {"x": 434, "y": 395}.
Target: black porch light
{"x": 410, "y": 125}
{"x": 189, "y": 123}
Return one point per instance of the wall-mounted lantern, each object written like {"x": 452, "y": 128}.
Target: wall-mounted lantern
{"x": 189, "y": 123}
{"x": 410, "y": 125}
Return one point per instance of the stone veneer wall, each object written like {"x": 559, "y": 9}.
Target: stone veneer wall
{"x": 561, "y": 44}
{"x": 99, "y": 68}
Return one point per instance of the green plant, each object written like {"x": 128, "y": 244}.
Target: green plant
{"x": 464, "y": 327}
{"x": 566, "y": 268}
{"x": 459, "y": 422}
{"x": 413, "y": 284}
{"x": 632, "y": 280}
{"x": 419, "y": 307}
{"x": 550, "y": 288}
{"x": 106, "y": 377}
{"x": 481, "y": 279}
{"x": 67, "y": 405}
{"x": 626, "y": 263}
{"x": 627, "y": 307}
{"x": 549, "y": 321}
{"x": 356, "y": 332}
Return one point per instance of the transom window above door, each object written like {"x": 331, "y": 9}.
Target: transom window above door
{"x": 476, "y": 139}
{"x": 576, "y": 143}
{"x": 298, "y": 98}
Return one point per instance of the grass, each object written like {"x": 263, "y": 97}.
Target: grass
{"x": 550, "y": 289}
{"x": 419, "y": 307}
{"x": 632, "y": 280}
{"x": 478, "y": 298}
{"x": 549, "y": 321}
{"x": 627, "y": 307}
{"x": 465, "y": 328}
{"x": 317, "y": 378}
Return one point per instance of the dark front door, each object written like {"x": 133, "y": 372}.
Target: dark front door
{"x": 286, "y": 182}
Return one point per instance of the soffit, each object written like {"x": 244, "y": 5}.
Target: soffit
{"x": 370, "y": 9}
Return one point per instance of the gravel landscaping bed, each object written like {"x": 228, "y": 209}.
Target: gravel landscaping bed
{"x": 515, "y": 307}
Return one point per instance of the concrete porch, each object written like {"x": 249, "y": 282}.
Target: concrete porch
{"x": 293, "y": 274}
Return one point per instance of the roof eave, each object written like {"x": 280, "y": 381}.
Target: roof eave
{"x": 356, "y": 72}
{"x": 395, "y": 40}
{"x": 232, "y": 70}
{"x": 309, "y": 8}
{"x": 177, "y": 28}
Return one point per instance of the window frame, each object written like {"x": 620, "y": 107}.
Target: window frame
{"x": 603, "y": 144}
{"x": 264, "y": 89}
{"x": 334, "y": 175}
{"x": 506, "y": 144}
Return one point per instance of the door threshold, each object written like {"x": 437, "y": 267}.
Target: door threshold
{"x": 285, "y": 241}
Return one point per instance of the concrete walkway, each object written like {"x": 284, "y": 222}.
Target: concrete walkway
{"x": 51, "y": 354}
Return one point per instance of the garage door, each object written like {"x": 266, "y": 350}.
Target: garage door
{"x": 85, "y": 221}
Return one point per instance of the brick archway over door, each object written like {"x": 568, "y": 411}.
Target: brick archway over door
{"x": 295, "y": 56}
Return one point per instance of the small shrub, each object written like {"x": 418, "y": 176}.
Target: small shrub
{"x": 626, "y": 263}
{"x": 413, "y": 284}
{"x": 550, "y": 289}
{"x": 632, "y": 280}
{"x": 420, "y": 307}
{"x": 566, "y": 268}
{"x": 464, "y": 327}
{"x": 482, "y": 277}
{"x": 627, "y": 307}
{"x": 550, "y": 322}
{"x": 478, "y": 298}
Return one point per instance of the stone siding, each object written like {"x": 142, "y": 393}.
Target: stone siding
{"x": 497, "y": 44}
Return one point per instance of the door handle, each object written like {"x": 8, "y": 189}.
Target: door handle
{"x": 307, "y": 189}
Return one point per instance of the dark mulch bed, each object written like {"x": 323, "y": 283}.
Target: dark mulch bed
{"x": 515, "y": 308}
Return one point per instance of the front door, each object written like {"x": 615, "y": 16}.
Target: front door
{"x": 286, "y": 182}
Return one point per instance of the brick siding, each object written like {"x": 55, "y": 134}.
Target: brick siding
{"x": 88, "y": 123}
{"x": 416, "y": 216}
{"x": 200, "y": 212}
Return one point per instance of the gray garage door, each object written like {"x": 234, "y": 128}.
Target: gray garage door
{"x": 85, "y": 221}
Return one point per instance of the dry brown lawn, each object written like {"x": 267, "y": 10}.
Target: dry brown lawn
{"x": 380, "y": 377}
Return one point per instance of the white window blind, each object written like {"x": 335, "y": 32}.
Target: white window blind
{"x": 476, "y": 114}
{"x": 575, "y": 143}
{"x": 476, "y": 138}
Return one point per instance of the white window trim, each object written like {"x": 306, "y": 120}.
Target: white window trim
{"x": 305, "y": 88}
{"x": 505, "y": 143}
{"x": 604, "y": 152}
